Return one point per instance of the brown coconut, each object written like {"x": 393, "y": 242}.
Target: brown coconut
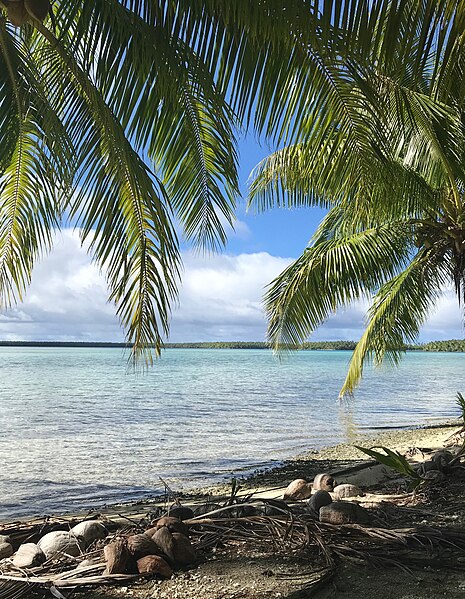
{"x": 318, "y": 500}
{"x": 184, "y": 553}
{"x": 181, "y": 512}
{"x": 323, "y": 482}
{"x": 164, "y": 541}
{"x": 172, "y": 524}
{"x": 343, "y": 491}
{"x": 154, "y": 564}
{"x": 17, "y": 12}
{"x": 344, "y": 512}
{"x": 141, "y": 545}
{"x": 38, "y": 9}
{"x": 297, "y": 489}
{"x": 117, "y": 557}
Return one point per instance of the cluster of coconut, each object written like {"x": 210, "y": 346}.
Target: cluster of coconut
{"x": 326, "y": 500}
{"x": 73, "y": 543}
{"x": 20, "y": 11}
{"x": 160, "y": 549}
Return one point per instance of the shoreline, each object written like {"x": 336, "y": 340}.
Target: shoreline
{"x": 269, "y": 481}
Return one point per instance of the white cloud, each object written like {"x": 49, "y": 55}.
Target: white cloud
{"x": 220, "y": 299}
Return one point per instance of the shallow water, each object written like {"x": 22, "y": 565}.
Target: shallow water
{"x": 77, "y": 430}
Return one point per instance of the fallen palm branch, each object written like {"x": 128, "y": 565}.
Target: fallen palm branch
{"x": 292, "y": 532}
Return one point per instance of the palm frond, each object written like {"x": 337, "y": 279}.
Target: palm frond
{"x": 398, "y": 311}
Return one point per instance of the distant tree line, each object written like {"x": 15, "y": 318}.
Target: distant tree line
{"x": 451, "y": 345}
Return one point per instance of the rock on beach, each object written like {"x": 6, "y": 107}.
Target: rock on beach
{"x": 60, "y": 541}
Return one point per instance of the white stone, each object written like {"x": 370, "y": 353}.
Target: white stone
{"x": 60, "y": 541}
{"x": 28, "y": 555}
{"x": 90, "y": 531}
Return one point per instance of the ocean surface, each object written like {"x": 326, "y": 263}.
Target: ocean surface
{"x": 77, "y": 430}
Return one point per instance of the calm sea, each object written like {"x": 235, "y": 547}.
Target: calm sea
{"x": 77, "y": 430}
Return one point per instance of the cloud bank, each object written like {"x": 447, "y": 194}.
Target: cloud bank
{"x": 220, "y": 299}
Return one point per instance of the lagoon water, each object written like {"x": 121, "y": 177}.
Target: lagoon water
{"x": 77, "y": 430}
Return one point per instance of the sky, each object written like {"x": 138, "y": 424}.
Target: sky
{"x": 220, "y": 297}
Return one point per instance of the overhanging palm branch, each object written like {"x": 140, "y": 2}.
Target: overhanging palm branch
{"x": 128, "y": 110}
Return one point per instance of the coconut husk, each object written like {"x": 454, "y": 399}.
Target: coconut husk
{"x": 164, "y": 541}
{"x": 323, "y": 482}
{"x": 141, "y": 545}
{"x": 17, "y": 13}
{"x": 298, "y": 489}
{"x": 184, "y": 553}
{"x": 154, "y": 564}
{"x": 172, "y": 524}
{"x": 117, "y": 557}
{"x": 38, "y": 9}
{"x": 344, "y": 512}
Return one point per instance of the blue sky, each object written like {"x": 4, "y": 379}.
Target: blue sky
{"x": 221, "y": 295}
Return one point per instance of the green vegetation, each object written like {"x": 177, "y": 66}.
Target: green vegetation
{"x": 386, "y": 156}
{"x": 453, "y": 345}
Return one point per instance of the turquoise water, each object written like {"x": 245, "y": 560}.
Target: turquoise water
{"x": 78, "y": 430}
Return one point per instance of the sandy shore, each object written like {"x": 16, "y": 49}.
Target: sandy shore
{"x": 241, "y": 572}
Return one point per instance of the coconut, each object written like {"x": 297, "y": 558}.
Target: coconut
{"x": 17, "y": 13}
{"x": 164, "y": 541}
{"x": 343, "y": 491}
{"x": 154, "y": 564}
{"x": 442, "y": 458}
{"x": 181, "y": 512}
{"x": 318, "y": 500}
{"x": 117, "y": 557}
{"x": 297, "y": 489}
{"x": 60, "y": 541}
{"x": 141, "y": 545}
{"x": 28, "y": 556}
{"x": 38, "y": 9}
{"x": 184, "y": 553}
{"x": 6, "y": 550}
{"x": 90, "y": 531}
{"x": 323, "y": 482}
{"x": 342, "y": 512}
{"x": 173, "y": 524}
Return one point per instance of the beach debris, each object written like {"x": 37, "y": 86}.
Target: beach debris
{"x": 298, "y": 489}
{"x": 28, "y": 556}
{"x": 141, "y": 545}
{"x": 164, "y": 541}
{"x": 318, "y": 500}
{"x": 346, "y": 490}
{"x": 61, "y": 541}
{"x": 323, "y": 482}
{"x": 90, "y": 531}
{"x": 154, "y": 564}
{"x": 117, "y": 557}
{"x": 181, "y": 512}
{"x": 184, "y": 553}
{"x": 6, "y": 550}
{"x": 344, "y": 512}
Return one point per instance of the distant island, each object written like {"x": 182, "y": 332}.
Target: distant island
{"x": 451, "y": 345}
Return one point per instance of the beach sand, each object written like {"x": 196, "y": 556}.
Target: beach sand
{"x": 238, "y": 571}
